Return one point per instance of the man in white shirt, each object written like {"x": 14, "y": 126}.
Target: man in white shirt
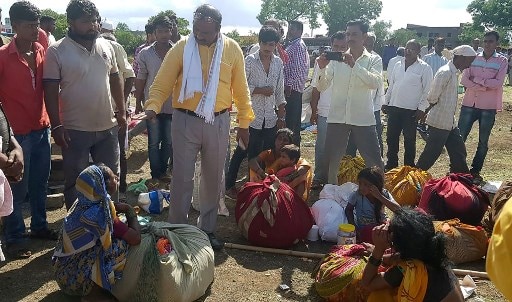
{"x": 476, "y": 45}
{"x": 400, "y": 52}
{"x": 378, "y": 100}
{"x": 436, "y": 59}
{"x": 406, "y": 103}
{"x": 351, "y": 109}
{"x": 47, "y": 23}
{"x": 443, "y": 100}
{"x": 426, "y": 49}
{"x": 320, "y": 104}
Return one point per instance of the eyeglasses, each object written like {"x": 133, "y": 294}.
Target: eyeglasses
{"x": 200, "y": 16}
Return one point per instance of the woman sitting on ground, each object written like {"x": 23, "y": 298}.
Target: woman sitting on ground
{"x": 369, "y": 201}
{"x": 269, "y": 162}
{"x": 419, "y": 271}
{"x": 91, "y": 252}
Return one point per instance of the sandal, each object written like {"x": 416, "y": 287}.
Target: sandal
{"x": 17, "y": 251}
{"x": 152, "y": 184}
{"x": 46, "y": 234}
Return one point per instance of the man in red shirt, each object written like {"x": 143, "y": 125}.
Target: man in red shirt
{"x": 21, "y": 94}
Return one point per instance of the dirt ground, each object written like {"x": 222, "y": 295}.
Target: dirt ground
{"x": 243, "y": 275}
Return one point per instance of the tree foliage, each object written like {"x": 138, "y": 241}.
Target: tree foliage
{"x": 491, "y": 13}
{"x": 403, "y": 35}
{"x": 338, "y": 12}
{"x": 470, "y": 31}
{"x": 61, "y": 22}
{"x": 382, "y": 31}
{"x": 121, "y": 26}
{"x": 234, "y": 35}
{"x": 182, "y": 22}
{"x": 291, "y": 10}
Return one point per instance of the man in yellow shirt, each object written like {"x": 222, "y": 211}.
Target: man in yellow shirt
{"x": 204, "y": 73}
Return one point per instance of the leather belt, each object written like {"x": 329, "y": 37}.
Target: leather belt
{"x": 192, "y": 113}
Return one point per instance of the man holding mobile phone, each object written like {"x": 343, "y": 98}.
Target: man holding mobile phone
{"x": 351, "y": 110}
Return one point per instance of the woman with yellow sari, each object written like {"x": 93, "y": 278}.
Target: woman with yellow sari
{"x": 268, "y": 162}
{"x": 419, "y": 269}
{"x": 92, "y": 248}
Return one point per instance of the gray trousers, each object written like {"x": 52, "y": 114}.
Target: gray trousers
{"x": 103, "y": 146}
{"x": 336, "y": 143}
{"x": 190, "y": 135}
{"x": 437, "y": 140}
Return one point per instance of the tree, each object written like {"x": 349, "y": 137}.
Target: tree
{"x": 61, "y": 22}
{"x": 381, "y": 29}
{"x": 470, "y": 31}
{"x": 182, "y": 22}
{"x": 234, "y": 35}
{"x": 338, "y": 12}
{"x": 250, "y": 39}
{"x": 491, "y": 13}
{"x": 127, "y": 38}
{"x": 122, "y": 27}
{"x": 403, "y": 35}
{"x": 291, "y": 10}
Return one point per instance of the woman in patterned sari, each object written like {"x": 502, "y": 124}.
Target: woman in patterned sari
{"x": 92, "y": 248}
{"x": 418, "y": 269}
{"x": 268, "y": 162}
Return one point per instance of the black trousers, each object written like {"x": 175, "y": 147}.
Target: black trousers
{"x": 401, "y": 121}
{"x": 259, "y": 140}
{"x": 293, "y": 114}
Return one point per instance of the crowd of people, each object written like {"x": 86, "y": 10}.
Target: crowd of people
{"x": 77, "y": 90}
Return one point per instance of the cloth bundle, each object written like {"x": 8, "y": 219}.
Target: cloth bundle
{"x": 350, "y": 168}
{"x": 271, "y": 214}
{"x": 406, "y": 184}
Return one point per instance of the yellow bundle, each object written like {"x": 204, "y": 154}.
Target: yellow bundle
{"x": 350, "y": 168}
{"x": 406, "y": 184}
{"x": 464, "y": 242}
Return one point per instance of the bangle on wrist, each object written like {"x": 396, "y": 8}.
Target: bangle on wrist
{"x": 374, "y": 261}
{"x": 57, "y": 127}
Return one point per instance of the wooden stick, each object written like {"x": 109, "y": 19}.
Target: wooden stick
{"x": 274, "y": 251}
{"x": 463, "y": 272}
{"x": 458, "y": 272}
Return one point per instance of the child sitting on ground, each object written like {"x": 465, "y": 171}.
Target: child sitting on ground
{"x": 294, "y": 175}
{"x": 368, "y": 202}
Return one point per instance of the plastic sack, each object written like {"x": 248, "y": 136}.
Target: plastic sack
{"x": 183, "y": 275}
{"x": 328, "y": 216}
{"x": 406, "y": 184}
{"x": 350, "y": 168}
{"x": 155, "y": 201}
{"x": 341, "y": 194}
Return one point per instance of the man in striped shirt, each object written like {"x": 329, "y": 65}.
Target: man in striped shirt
{"x": 435, "y": 60}
{"x": 295, "y": 76}
{"x": 484, "y": 97}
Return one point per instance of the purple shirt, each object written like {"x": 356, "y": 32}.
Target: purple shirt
{"x": 297, "y": 69}
{"x": 484, "y": 82}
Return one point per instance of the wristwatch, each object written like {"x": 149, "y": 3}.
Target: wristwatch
{"x": 374, "y": 261}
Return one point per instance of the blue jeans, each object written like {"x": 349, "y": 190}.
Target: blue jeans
{"x": 321, "y": 127}
{"x": 159, "y": 144}
{"x": 37, "y": 160}
{"x": 485, "y": 118}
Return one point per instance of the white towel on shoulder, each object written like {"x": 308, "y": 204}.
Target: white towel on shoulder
{"x": 193, "y": 78}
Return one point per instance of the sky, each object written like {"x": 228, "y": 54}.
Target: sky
{"x": 241, "y": 14}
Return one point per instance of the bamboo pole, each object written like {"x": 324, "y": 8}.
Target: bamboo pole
{"x": 274, "y": 251}
{"x": 458, "y": 272}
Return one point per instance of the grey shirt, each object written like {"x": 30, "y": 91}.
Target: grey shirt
{"x": 149, "y": 63}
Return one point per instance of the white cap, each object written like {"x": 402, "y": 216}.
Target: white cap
{"x": 464, "y": 50}
{"x": 107, "y": 25}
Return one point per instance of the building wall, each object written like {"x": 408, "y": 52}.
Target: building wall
{"x": 449, "y": 33}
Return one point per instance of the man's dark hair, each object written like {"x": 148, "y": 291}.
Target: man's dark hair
{"x": 24, "y": 11}
{"x": 493, "y": 33}
{"x": 162, "y": 21}
{"x": 440, "y": 40}
{"x": 268, "y": 34}
{"x": 149, "y": 28}
{"x": 339, "y": 35}
{"x": 80, "y": 8}
{"x": 209, "y": 11}
{"x": 414, "y": 237}
{"x": 363, "y": 26}
{"x": 292, "y": 151}
{"x": 46, "y": 19}
{"x": 297, "y": 25}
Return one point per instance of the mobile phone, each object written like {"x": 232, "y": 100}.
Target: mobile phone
{"x": 334, "y": 56}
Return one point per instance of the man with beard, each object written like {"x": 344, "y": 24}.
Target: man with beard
{"x": 80, "y": 77}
